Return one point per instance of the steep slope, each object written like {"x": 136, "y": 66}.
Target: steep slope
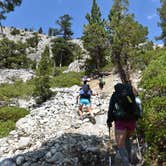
{"x": 53, "y": 134}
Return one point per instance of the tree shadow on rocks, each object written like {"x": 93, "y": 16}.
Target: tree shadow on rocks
{"x": 70, "y": 149}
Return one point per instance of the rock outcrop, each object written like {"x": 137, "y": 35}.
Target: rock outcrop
{"x": 53, "y": 134}
{"x": 11, "y": 75}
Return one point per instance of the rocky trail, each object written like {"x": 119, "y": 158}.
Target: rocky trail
{"x": 53, "y": 134}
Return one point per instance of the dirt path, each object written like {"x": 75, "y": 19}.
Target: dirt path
{"x": 110, "y": 81}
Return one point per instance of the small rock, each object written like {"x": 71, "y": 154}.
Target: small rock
{"x": 20, "y": 160}
{"x": 8, "y": 162}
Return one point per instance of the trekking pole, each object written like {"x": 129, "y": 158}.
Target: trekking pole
{"x": 99, "y": 102}
{"x": 109, "y": 130}
{"x": 138, "y": 144}
{"x": 109, "y": 158}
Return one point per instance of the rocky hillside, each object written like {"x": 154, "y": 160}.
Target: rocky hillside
{"x": 53, "y": 134}
{"x": 21, "y": 36}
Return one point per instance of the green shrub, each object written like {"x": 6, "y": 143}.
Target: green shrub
{"x": 12, "y": 113}
{"x": 6, "y": 127}
{"x": 59, "y": 70}
{"x": 13, "y": 55}
{"x": 8, "y": 118}
{"x": 42, "y": 90}
{"x": 143, "y": 59}
{"x": 15, "y": 32}
{"x": 33, "y": 41}
{"x": 108, "y": 67}
{"x": 67, "y": 79}
{"x": 17, "y": 89}
{"x": 153, "y": 123}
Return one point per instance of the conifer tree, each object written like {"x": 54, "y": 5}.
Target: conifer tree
{"x": 95, "y": 39}
{"x": 45, "y": 65}
{"x": 13, "y": 54}
{"x": 40, "y": 30}
{"x": 62, "y": 52}
{"x": 53, "y": 32}
{"x": 7, "y": 6}
{"x": 42, "y": 90}
{"x": 64, "y": 23}
{"x": 162, "y": 24}
{"x": 50, "y": 32}
{"x": 125, "y": 36}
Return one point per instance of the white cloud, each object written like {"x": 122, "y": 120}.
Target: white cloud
{"x": 150, "y": 17}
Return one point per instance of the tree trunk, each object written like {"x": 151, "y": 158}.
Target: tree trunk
{"x": 1, "y": 31}
{"x": 98, "y": 59}
{"x": 60, "y": 64}
{"x": 121, "y": 71}
{"x": 128, "y": 69}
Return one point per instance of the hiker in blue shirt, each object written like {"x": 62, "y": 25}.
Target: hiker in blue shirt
{"x": 84, "y": 99}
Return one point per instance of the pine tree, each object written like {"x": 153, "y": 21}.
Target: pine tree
{"x": 42, "y": 90}
{"x": 62, "y": 52}
{"x": 7, "y": 6}
{"x": 162, "y": 24}
{"x": 95, "y": 16}
{"x": 125, "y": 35}
{"x": 65, "y": 26}
{"x": 45, "y": 64}
{"x": 40, "y": 30}
{"x": 49, "y": 31}
{"x": 95, "y": 39}
{"x": 13, "y": 54}
{"x": 53, "y": 32}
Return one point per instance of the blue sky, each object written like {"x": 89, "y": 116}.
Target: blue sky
{"x": 44, "y": 13}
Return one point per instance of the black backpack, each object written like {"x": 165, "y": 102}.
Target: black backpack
{"x": 125, "y": 105}
{"x": 86, "y": 92}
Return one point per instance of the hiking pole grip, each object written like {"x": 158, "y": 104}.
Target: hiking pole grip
{"x": 138, "y": 145}
{"x": 109, "y": 130}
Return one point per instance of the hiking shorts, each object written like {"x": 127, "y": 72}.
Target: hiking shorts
{"x": 125, "y": 125}
{"x": 84, "y": 101}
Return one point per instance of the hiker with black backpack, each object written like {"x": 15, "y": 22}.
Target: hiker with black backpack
{"x": 101, "y": 82}
{"x": 124, "y": 111}
{"x": 84, "y": 99}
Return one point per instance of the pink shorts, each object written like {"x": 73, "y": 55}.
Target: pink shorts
{"x": 123, "y": 125}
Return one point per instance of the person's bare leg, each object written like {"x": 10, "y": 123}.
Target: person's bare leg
{"x": 80, "y": 111}
{"x": 90, "y": 111}
{"x": 120, "y": 136}
{"x": 92, "y": 118}
{"x": 128, "y": 143}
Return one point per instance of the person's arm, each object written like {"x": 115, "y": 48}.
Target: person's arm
{"x": 93, "y": 93}
{"x": 77, "y": 98}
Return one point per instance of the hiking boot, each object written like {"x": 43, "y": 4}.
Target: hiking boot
{"x": 124, "y": 156}
{"x": 117, "y": 159}
{"x": 92, "y": 119}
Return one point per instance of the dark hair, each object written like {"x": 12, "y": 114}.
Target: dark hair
{"x": 85, "y": 81}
